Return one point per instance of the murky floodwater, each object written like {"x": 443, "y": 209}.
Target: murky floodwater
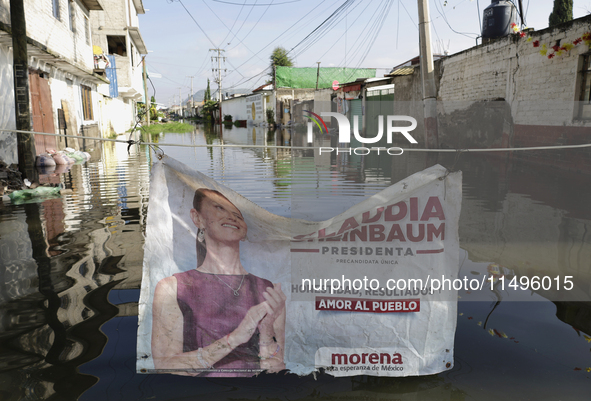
{"x": 71, "y": 272}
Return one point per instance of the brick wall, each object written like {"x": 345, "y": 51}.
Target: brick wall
{"x": 539, "y": 90}
{"x": 507, "y": 94}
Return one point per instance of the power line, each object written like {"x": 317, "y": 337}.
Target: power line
{"x": 466, "y": 34}
{"x": 235, "y": 21}
{"x": 409, "y": 16}
{"x": 337, "y": 19}
{"x": 283, "y": 33}
{"x": 254, "y": 5}
{"x": 343, "y": 6}
{"x": 339, "y": 39}
{"x": 243, "y": 22}
{"x": 230, "y": 31}
{"x": 311, "y": 21}
{"x": 368, "y": 33}
{"x": 164, "y": 76}
{"x": 397, "y": 23}
{"x": 251, "y": 78}
{"x": 196, "y": 23}
{"x": 381, "y": 19}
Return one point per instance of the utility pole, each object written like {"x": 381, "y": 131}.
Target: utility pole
{"x": 317, "y": 74}
{"x": 25, "y": 142}
{"x": 218, "y": 70}
{"x": 191, "y": 96}
{"x": 428, "y": 77}
{"x": 180, "y": 103}
{"x": 146, "y": 91}
{"x": 275, "y": 106}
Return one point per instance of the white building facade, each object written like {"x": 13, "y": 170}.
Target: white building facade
{"x": 116, "y": 34}
{"x": 61, "y": 75}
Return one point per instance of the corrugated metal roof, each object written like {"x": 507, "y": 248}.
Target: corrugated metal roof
{"x": 402, "y": 71}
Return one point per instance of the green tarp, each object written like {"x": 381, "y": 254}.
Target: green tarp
{"x": 293, "y": 77}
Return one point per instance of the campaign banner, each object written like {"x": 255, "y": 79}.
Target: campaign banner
{"x": 230, "y": 289}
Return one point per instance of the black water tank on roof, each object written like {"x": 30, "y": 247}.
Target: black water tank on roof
{"x": 497, "y": 19}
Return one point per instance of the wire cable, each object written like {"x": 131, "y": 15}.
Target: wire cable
{"x": 196, "y": 23}
{"x": 477, "y": 150}
{"x": 466, "y": 34}
{"x": 230, "y": 31}
{"x": 331, "y": 47}
{"x": 235, "y": 21}
{"x": 283, "y": 33}
{"x": 255, "y": 24}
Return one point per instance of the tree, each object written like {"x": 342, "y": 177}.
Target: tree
{"x": 279, "y": 58}
{"x": 153, "y": 111}
{"x": 207, "y": 95}
{"x": 562, "y": 12}
{"x": 208, "y": 108}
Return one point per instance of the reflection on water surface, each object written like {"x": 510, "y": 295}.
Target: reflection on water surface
{"x": 72, "y": 268}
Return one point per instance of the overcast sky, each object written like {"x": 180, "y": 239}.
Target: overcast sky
{"x": 364, "y": 33}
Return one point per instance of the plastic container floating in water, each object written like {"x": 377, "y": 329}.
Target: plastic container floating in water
{"x": 38, "y": 194}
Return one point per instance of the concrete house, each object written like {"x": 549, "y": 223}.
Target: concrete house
{"x": 117, "y": 38}
{"x": 61, "y": 77}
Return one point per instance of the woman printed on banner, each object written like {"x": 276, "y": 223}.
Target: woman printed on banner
{"x": 217, "y": 319}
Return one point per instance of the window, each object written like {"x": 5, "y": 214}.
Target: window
{"x": 86, "y": 102}
{"x": 585, "y": 98}
{"x": 71, "y": 16}
{"x": 117, "y": 45}
{"x": 56, "y": 8}
{"x": 87, "y": 30}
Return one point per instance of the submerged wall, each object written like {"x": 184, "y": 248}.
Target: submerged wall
{"x": 8, "y": 145}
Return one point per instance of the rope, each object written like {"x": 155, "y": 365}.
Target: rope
{"x": 158, "y": 146}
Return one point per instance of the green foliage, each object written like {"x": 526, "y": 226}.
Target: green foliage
{"x": 227, "y": 117}
{"x": 207, "y": 95}
{"x": 562, "y": 12}
{"x": 141, "y": 109}
{"x": 279, "y": 58}
{"x": 153, "y": 112}
{"x": 176, "y": 127}
{"x": 270, "y": 116}
{"x": 208, "y": 108}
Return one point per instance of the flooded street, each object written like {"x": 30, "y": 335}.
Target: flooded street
{"x": 72, "y": 272}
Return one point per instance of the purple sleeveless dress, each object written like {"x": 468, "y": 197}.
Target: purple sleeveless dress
{"x": 211, "y": 311}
